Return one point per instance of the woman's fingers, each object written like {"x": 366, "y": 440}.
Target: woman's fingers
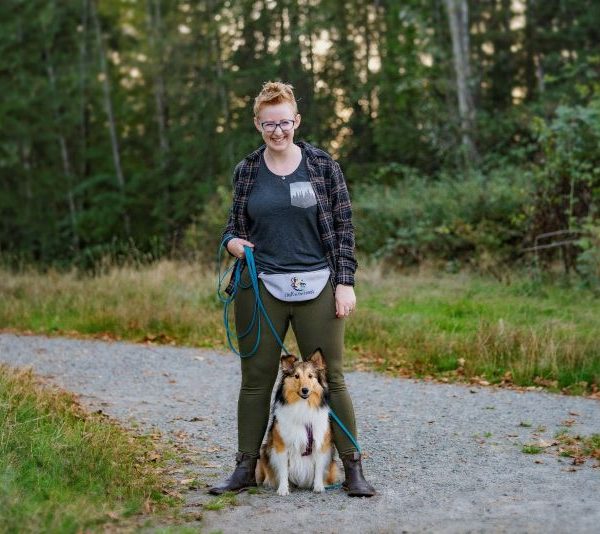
{"x": 236, "y": 246}
{"x": 244, "y": 243}
{"x": 343, "y": 308}
{"x": 345, "y": 300}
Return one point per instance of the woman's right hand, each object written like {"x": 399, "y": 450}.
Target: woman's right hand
{"x": 236, "y": 246}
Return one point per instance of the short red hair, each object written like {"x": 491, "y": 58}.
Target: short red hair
{"x": 275, "y": 93}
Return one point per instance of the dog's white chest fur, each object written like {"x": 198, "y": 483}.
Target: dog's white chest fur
{"x": 292, "y": 421}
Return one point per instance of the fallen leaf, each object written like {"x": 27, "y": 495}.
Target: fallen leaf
{"x": 209, "y": 465}
{"x": 152, "y": 456}
{"x": 172, "y": 493}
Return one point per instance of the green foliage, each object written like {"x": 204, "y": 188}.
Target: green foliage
{"x": 475, "y": 218}
{"x": 567, "y": 180}
{"x": 588, "y": 261}
{"x": 376, "y": 86}
{"x": 202, "y": 237}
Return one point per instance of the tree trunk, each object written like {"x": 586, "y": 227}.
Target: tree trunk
{"x": 109, "y": 112}
{"x": 458, "y": 18}
{"x": 64, "y": 149}
{"x": 221, "y": 83}
{"x": 154, "y": 33}
{"x": 83, "y": 90}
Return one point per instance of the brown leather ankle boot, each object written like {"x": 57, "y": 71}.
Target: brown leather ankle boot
{"x": 355, "y": 483}
{"x": 243, "y": 476}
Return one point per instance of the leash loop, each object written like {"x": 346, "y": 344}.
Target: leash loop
{"x": 259, "y": 308}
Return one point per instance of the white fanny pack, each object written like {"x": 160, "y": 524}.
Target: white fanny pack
{"x": 296, "y": 287}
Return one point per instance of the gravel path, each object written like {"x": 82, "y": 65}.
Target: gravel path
{"x": 444, "y": 458}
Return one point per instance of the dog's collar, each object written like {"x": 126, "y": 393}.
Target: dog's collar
{"x": 309, "y": 445}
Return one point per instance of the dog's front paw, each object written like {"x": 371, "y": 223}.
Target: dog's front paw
{"x": 283, "y": 491}
{"x": 319, "y": 488}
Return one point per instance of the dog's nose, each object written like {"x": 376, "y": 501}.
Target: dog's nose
{"x": 304, "y": 391}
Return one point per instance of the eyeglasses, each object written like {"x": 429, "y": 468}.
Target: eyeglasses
{"x": 286, "y": 125}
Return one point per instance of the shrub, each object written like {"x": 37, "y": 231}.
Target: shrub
{"x": 567, "y": 180}
{"x": 475, "y": 218}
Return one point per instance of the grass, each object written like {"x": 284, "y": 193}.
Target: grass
{"x": 576, "y": 447}
{"x": 449, "y": 326}
{"x": 579, "y": 447}
{"x": 468, "y": 326}
{"x": 531, "y": 449}
{"x": 220, "y": 502}
{"x": 64, "y": 470}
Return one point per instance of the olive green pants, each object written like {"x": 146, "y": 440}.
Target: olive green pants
{"x": 315, "y": 326}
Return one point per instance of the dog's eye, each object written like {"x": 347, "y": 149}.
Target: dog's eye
{"x": 297, "y": 375}
{"x": 310, "y": 376}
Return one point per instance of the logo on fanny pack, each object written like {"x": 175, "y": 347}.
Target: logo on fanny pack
{"x": 297, "y": 283}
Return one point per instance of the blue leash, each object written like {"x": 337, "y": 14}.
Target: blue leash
{"x": 259, "y": 309}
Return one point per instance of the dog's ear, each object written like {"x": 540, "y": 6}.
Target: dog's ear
{"x": 317, "y": 359}
{"x": 287, "y": 363}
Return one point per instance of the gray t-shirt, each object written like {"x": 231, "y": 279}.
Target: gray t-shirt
{"x": 282, "y": 211}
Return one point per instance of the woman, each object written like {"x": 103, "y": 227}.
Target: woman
{"x": 291, "y": 207}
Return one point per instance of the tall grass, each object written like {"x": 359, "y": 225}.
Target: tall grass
{"x": 166, "y": 301}
{"x": 465, "y": 325}
{"x": 62, "y": 470}
{"x": 458, "y": 326}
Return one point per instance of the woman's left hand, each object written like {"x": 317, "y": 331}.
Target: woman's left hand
{"x": 345, "y": 300}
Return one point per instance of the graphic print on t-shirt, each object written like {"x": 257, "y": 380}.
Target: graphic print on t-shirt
{"x": 302, "y": 195}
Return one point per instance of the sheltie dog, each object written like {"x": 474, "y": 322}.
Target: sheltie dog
{"x": 299, "y": 447}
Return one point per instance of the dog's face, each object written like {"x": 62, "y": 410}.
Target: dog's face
{"x": 304, "y": 380}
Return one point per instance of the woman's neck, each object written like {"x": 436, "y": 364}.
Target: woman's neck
{"x": 281, "y": 158}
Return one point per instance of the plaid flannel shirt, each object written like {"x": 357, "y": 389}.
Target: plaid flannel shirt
{"x": 333, "y": 208}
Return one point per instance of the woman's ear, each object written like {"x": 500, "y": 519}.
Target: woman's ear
{"x": 257, "y": 124}
{"x": 297, "y": 121}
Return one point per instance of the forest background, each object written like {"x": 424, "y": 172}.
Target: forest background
{"x": 467, "y": 130}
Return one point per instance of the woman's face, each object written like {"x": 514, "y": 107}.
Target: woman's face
{"x": 278, "y": 116}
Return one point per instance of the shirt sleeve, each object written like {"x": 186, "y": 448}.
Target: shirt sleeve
{"x": 229, "y": 231}
{"x": 341, "y": 208}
